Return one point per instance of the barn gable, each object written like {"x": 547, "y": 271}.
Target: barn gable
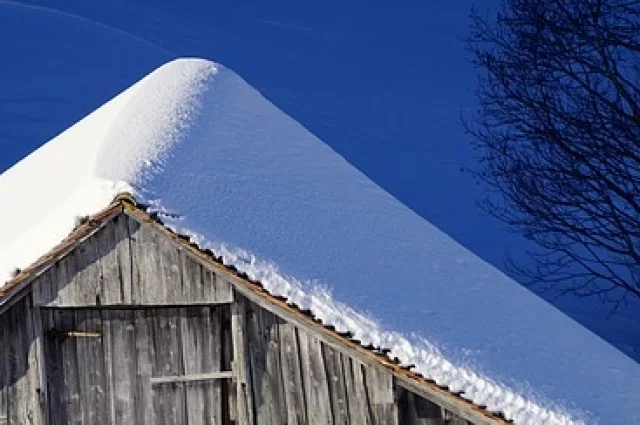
{"x": 126, "y": 322}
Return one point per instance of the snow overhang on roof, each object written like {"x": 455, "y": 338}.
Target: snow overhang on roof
{"x": 223, "y": 166}
{"x": 21, "y": 284}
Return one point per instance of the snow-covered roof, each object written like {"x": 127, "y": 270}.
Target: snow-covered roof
{"x": 226, "y": 167}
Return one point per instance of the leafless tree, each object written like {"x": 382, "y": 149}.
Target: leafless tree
{"x": 557, "y": 133}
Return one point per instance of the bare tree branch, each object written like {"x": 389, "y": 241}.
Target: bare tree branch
{"x": 557, "y": 133}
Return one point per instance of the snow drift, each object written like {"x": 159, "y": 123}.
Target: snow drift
{"x": 229, "y": 169}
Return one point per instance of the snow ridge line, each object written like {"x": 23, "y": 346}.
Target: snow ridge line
{"x": 518, "y": 406}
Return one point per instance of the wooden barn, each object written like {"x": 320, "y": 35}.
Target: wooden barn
{"x": 128, "y": 323}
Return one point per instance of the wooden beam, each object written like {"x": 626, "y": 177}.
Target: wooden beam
{"x": 39, "y": 347}
{"x": 240, "y": 364}
{"x": 192, "y": 378}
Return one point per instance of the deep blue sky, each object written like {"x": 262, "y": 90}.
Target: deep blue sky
{"x": 383, "y": 85}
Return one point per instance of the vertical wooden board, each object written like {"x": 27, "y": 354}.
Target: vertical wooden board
{"x": 145, "y": 353}
{"x": 108, "y": 320}
{"x": 194, "y": 350}
{"x": 229, "y": 387}
{"x": 170, "y": 271}
{"x": 123, "y": 225}
{"x": 381, "y": 395}
{"x": 316, "y": 385}
{"x": 257, "y": 345}
{"x": 4, "y": 375}
{"x": 427, "y": 413}
{"x": 71, "y": 381}
{"x": 210, "y": 282}
{"x": 212, "y": 342}
{"x": 83, "y": 268}
{"x": 292, "y": 381}
{"x": 37, "y": 363}
{"x": 266, "y": 375}
{"x": 135, "y": 251}
{"x": 201, "y": 336}
{"x": 217, "y": 288}
{"x": 273, "y": 385}
{"x": 337, "y": 385}
{"x": 356, "y": 401}
{"x": 16, "y": 365}
{"x": 241, "y": 363}
{"x": 91, "y": 367}
{"x": 25, "y": 374}
{"x": 43, "y": 289}
{"x": 25, "y": 379}
{"x": 192, "y": 281}
{"x": 361, "y": 400}
{"x": 55, "y": 371}
{"x": 414, "y": 410}
{"x": 147, "y": 277}
{"x": 168, "y": 399}
{"x": 121, "y": 364}
{"x": 59, "y": 283}
{"x": 111, "y": 289}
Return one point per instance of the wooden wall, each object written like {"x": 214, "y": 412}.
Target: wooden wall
{"x": 146, "y": 366}
{"x": 127, "y": 264}
{"x": 21, "y": 385}
{"x": 294, "y": 378}
{"x": 132, "y": 328}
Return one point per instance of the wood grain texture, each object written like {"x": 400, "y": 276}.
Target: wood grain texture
{"x": 126, "y": 263}
{"x": 154, "y": 333}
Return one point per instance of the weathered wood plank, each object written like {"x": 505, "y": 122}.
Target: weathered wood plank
{"x": 126, "y": 263}
{"x": 170, "y": 273}
{"x": 414, "y": 410}
{"x": 69, "y": 357}
{"x": 379, "y": 384}
{"x": 18, "y": 392}
{"x": 293, "y": 385}
{"x": 315, "y": 380}
{"x": 95, "y": 405}
{"x": 193, "y": 288}
{"x": 229, "y": 390}
{"x": 361, "y": 401}
{"x": 36, "y": 364}
{"x": 358, "y": 413}
{"x": 241, "y": 364}
{"x": 209, "y": 332}
{"x": 145, "y": 353}
{"x": 195, "y": 379}
{"x": 123, "y": 227}
{"x": 337, "y": 386}
{"x": 111, "y": 288}
{"x": 121, "y": 364}
{"x": 4, "y": 372}
{"x": 213, "y": 376}
{"x": 265, "y": 367}
{"x": 42, "y": 288}
{"x": 458, "y": 407}
{"x": 55, "y": 370}
{"x": 168, "y": 400}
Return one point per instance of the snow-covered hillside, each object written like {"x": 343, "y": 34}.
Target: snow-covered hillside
{"x": 231, "y": 170}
